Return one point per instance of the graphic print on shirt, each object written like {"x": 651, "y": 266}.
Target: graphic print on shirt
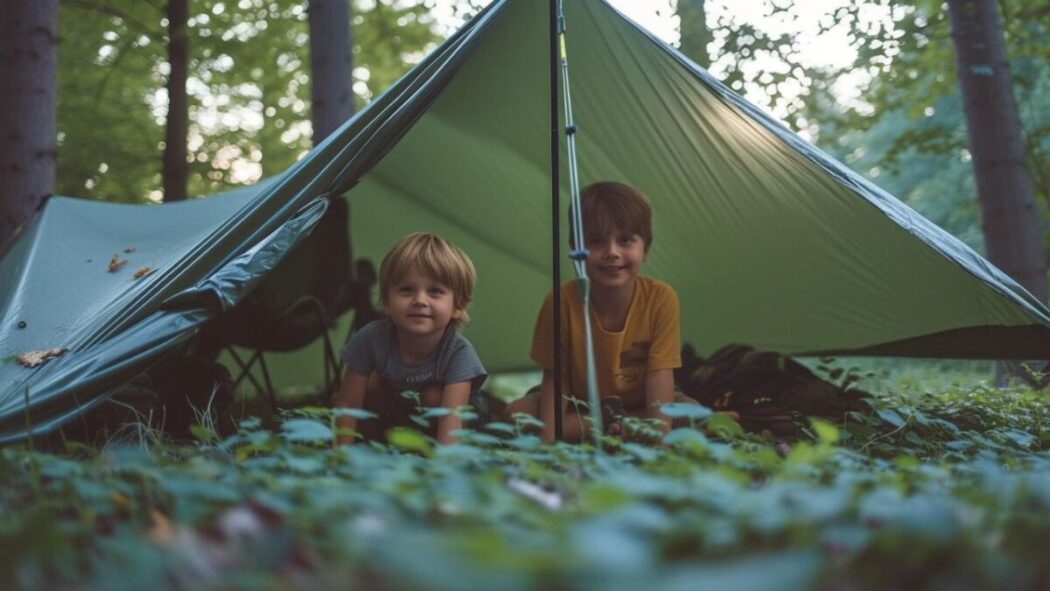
{"x": 633, "y": 361}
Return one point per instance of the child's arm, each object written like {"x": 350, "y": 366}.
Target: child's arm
{"x": 664, "y": 355}
{"x": 659, "y": 390}
{"x": 350, "y": 395}
{"x": 453, "y": 396}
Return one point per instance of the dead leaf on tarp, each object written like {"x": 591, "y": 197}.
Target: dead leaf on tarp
{"x": 116, "y": 262}
{"x": 141, "y": 273}
{"x": 129, "y": 250}
{"x": 35, "y": 358}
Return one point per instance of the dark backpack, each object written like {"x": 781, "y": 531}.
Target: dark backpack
{"x": 768, "y": 390}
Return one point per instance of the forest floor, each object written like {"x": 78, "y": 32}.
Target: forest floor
{"x": 926, "y": 488}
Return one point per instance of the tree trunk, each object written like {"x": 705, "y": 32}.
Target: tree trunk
{"x": 28, "y": 83}
{"x": 176, "y": 168}
{"x": 1009, "y": 220}
{"x": 694, "y": 36}
{"x": 330, "y": 65}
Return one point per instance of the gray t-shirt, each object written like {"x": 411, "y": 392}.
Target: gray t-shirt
{"x": 374, "y": 348}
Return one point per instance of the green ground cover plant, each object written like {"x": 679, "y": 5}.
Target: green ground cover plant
{"x": 919, "y": 490}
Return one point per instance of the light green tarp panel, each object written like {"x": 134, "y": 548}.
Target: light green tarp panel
{"x": 767, "y": 240}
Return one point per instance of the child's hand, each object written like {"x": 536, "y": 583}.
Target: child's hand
{"x": 351, "y": 394}
{"x": 453, "y": 397}
{"x": 613, "y": 415}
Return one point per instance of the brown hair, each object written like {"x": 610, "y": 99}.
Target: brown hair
{"x": 435, "y": 257}
{"x": 608, "y": 206}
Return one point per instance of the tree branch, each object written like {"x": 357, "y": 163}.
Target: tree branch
{"x": 129, "y": 20}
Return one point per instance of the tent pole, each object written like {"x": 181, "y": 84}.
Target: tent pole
{"x": 555, "y": 222}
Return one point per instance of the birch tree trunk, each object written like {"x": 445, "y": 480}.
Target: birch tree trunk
{"x": 1009, "y": 220}
{"x": 176, "y": 168}
{"x": 330, "y": 66}
{"x": 28, "y": 151}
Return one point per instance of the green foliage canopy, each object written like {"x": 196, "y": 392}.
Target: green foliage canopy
{"x": 906, "y": 130}
{"x": 249, "y": 88}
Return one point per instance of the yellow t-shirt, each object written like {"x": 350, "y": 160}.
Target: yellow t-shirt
{"x": 649, "y": 341}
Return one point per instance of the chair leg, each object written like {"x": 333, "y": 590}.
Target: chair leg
{"x": 246, "y": 367}
{"x": 270, "y": 392}
{"x": 331, "y": 364}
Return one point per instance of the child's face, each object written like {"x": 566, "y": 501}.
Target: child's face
{"x": 615, "y": 260}
{"x": 420, "y": 306}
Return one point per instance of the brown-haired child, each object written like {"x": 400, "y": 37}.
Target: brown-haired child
{"x": 634, "y": 319}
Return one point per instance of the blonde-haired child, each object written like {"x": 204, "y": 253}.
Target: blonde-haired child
{"x": 425, "y": 286}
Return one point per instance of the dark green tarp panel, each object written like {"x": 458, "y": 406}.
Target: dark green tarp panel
{"x": 767, "y": 240}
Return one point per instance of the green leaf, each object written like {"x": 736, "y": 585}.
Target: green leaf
{"x": 891, "y": 417}
{"x": 250, "y": 423}
{"x": 686, "y": 437}
{"x": 358, "y": 413}
{"x": 312, "y": 411}
{"x": 411, "y": 440}
{"x": 436, "y": 412}
{"x": 303, "y": 464}
{"x": 525, "y": 442}
{"x": 914, "y": 439}
{"x": 826, "y": 433}
{"x": 678, "y": 410}
{"x": 203, "y": 434}
{"x": 501, "y": 428}
{"x": 305, "y": 430}
{"x": 475, "y": 438}
{"x": 642, "y": 452}
{"x": 906, "y": 462}
{"x": 948, "y": 425}
{"x": 1022, "y": 439}
{"x": 724, "y": 426}
{"x": 523, "y": 420}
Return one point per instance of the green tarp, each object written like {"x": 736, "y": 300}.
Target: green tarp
{"x": 768, "y": 241}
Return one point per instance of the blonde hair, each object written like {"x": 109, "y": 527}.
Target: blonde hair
{"x": 435, "y": 257}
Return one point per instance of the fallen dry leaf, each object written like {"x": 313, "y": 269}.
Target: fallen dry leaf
{"x": 129, "y": 250}
{"x": 142, "y": 272}
{"x": 116, "y": 262}
{"x": 160, "y": 530}
{"x": 35, "y": 358}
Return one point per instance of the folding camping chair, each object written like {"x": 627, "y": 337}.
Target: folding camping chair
{"x": 299, "y": 302}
